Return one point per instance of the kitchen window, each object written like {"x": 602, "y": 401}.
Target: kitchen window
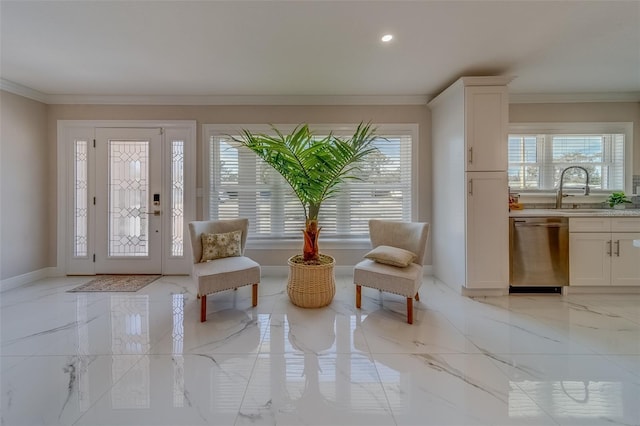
{"x": 239, "y": 184}
{"x": 537, "y": 158}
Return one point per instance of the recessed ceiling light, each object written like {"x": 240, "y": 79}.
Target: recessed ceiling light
{"x": 387, "y": 38}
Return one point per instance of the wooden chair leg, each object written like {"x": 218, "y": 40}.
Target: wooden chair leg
{"x": 409, "y": 310}
{"x": 203, "y": 308}
{"x": 417, "y": 297}
{"x": 358, "y": 296}
{"x": 254, "y": 295}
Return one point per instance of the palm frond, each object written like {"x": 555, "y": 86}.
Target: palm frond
{"x": 312, "y": 167}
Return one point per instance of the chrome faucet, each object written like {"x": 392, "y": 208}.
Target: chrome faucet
{"x": 559, "y": 194}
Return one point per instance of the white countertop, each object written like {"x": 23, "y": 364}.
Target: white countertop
{"x": 574, "y": 212}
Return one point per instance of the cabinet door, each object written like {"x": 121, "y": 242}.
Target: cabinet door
{"x": 486, "y": 120}
{"x": 625, "y": 259}
{"x": 487, "y": 222}
{"x": 590, "y": 258}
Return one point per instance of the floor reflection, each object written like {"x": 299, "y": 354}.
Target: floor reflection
{"x": 572, "y": 399}
{"x": 145, "y": 358}
{"x": 130, "y": 336}
{"x": 177, "y": 337}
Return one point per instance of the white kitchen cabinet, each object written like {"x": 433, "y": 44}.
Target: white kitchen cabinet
{"x": 487, "y": 231}
{"x": 470, "y": 223}
{"x": 601, "y": 256}
{"x": 589, "y": 258}
{"x": 625, "y": 259}
{"x": 486, "y": 115}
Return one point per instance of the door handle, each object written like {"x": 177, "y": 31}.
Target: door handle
{"x": 609, "y": 250}
{"x": 618, "y": 248}
{"x": 155, "y": 213}
{"x": 471, "y": 155}
{"x": 470, "y": 186}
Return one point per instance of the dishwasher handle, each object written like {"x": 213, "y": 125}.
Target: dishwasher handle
{"x": 523, "y": 223}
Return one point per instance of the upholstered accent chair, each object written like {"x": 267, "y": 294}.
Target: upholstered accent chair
{"x": 395, "y": 244}
{"x": 221, "y": 265}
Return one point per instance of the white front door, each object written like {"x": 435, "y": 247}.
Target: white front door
{"x": 129, "y": 201}
{"x": 127, "y": 190}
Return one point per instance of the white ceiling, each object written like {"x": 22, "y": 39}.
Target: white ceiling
{"x": 318, "y": 48}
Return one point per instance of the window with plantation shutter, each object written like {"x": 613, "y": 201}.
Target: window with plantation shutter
{"x": 536, "y": 159}
{"x": 241, "y": 185}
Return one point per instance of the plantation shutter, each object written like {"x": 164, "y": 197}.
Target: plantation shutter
{"x": 536, "y": 161}
{"x": 242, "y": 185}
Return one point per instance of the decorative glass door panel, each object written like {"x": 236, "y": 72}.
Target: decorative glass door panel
{"x": 129, "y": 201}
{"x": 128, "y": 198}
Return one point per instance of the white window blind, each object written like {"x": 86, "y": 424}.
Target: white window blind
{"x": 242, "y": 185}
{"x": 537, "y": 160}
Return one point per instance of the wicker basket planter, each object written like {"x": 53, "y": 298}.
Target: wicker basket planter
{"x": 311, "y": 286}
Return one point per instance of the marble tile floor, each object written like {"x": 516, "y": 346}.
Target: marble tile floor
{"x": 145, "y": 359}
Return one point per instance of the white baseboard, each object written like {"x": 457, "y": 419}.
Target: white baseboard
{"x": 480, "y": 292}
{"x": 274, "y": 271}
{"x": 17, "y": 281}
{"x": 599, "y": 290}
{"x": 278, "y": 271}
{"x": 267, "y": 271}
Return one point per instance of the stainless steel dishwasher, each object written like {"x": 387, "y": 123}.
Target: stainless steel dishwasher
{"x": 539, "y": 251}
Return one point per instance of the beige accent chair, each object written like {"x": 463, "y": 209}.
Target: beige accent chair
{"x": 405, "y": 281}
{"x": 226, "y": 273}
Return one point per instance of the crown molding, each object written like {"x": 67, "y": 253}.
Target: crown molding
{"x": 24, "y": 91}
{"x": 497, "y": 80}
{"x": 27, "y": 92}
{"x": 237, "y": 100}
{"x": 514, "y": 98}
{"x": 556, "y": 98}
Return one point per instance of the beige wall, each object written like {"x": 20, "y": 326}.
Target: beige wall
{"x": 419, "y": 114}
{"x": 587, "y": 112}
{"x": 25, "y": 174}
{"x": 29, "y": 171}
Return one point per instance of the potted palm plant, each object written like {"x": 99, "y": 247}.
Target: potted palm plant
{"x": 314, "y": 168}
